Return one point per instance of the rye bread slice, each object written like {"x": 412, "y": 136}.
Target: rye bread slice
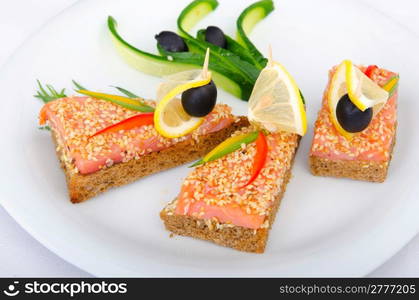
{"x": 228, "y": 235}
{"x": 82, "y": 187}
{"x": 354, "y": 169}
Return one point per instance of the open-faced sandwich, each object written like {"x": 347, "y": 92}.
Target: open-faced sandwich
{"x": 232, "y": 195}
{"x": 104, "y": 140}
{"x": 355, "y": 130}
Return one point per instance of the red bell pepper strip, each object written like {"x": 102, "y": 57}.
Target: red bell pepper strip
{"x": 260, "y": 157}
{"x": 129, "y": 123}
{"x": 370, "y": 70}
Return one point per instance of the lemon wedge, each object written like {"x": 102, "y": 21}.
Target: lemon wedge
{"x": 170, "y": 119}
{"x": 276, "y": 103}
{"x": 363, "y": 92}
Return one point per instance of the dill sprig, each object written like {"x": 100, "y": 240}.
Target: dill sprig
{"x": 46, "y": 127}
{"x": 122, "y": 90}
{"x": 48, "y": 93}
{"x": 126, "y": 92}
{"x": 78, "y": 85}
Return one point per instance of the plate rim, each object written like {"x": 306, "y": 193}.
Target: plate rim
{"x": 7, "y": 204}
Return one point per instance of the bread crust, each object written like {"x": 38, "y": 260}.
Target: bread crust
{"x": 236, "y": 237}
{"x": 85, "y": 186}
{"x": 355, "y": 169}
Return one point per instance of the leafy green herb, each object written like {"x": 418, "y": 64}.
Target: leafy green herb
{"x": 193, "y": 13}
{"x": 48, "y": 93}
{"x": 234, "y": 47}
{"x": 126, "y": 102}
{"x": 122, "y": 90}
{"x": 223, "y": 75}
{"x": 78, "y": 85}
{"x": 46, "y": 127}
{"x": 126, "y": 92}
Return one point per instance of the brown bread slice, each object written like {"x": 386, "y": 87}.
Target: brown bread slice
{"x": 82, "y": 187}
{"x": 359, "y": 170}
{"x": 236, "y": 237}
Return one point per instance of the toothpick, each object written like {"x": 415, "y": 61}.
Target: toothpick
{"x": 270, "y": 59}
{"x": 205, "y": 66}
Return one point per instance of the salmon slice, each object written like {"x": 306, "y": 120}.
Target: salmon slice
{"x": 212, "y": 191}
{"x": 75, "y": 119}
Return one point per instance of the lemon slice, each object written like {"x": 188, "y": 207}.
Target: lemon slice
{"x": 363, "y": 92}
{"x": 276, "y": 103}
{"x": 170, "y": 119}
{"x": 336, "y": 90}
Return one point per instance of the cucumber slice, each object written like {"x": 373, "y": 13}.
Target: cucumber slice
{"x": 144, "y": 61}
{"x": 192, "y": 14}
{"x": 247, "y": 21}
{"x": 160, "y": 66}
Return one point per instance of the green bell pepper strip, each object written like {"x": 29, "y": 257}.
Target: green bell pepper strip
{"x": 119, "y": 100}
{"x": 228, "y": 146}
{"x": 245, "y": 23}
{"x": 391, "y": 85}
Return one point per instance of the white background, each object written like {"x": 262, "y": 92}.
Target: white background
{"x": 23, "y": 256}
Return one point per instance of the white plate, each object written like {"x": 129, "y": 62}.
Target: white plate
{"x": 325, "y": 227}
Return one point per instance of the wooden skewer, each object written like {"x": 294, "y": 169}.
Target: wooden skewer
{"x": 270, "y": 59}
{"x": 205, "y": 66}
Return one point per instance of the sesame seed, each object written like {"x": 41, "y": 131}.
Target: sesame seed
{"x": 77, "y": 118}
{"x": 218, "y": 183}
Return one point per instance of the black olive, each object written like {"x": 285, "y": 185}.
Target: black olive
{"x": 200, "y": 101}
{"x": 171, "y": 42}
{"x": 350, "y": 117}
{"x": 215, "y": 35}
